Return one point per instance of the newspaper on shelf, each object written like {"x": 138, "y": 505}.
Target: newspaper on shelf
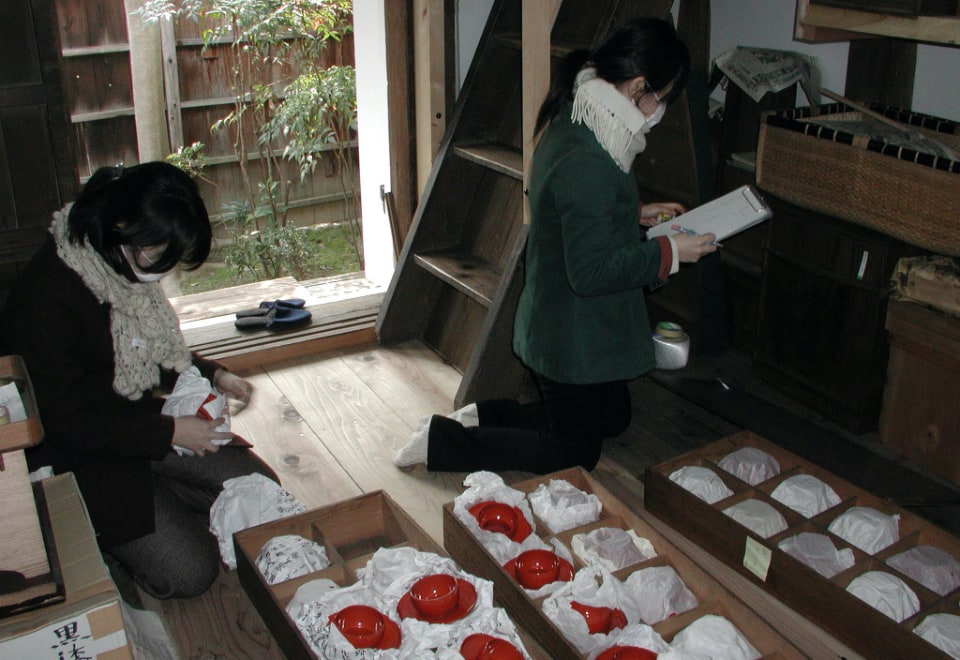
{"x": 760, "y": 70}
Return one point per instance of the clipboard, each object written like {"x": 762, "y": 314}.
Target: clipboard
{"x": 724, "y": 216}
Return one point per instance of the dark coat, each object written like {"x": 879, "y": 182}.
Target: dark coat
{"x": 63, "y": 334}
{"x": 581, "y": 317}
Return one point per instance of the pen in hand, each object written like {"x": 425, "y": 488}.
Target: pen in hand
{"x": 690, "y": 232}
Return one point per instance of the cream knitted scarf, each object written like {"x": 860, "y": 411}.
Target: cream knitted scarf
{"x": 617, "y": 123}
{"x": 145, "y": 329}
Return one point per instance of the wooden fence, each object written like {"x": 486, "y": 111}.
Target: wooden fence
{"x": 198, "y": 91}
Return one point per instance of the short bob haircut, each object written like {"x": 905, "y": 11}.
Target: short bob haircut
{"x": 145, "y": 205}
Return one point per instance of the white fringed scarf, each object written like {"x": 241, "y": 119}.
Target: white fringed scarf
{"x": 146, "y": 331}
{"x": 617, "y": 123}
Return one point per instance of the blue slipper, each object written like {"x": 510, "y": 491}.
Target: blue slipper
{"x": 275, "y": 318}
{"x": 267, "y": 305}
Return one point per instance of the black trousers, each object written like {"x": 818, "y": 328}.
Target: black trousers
{"x": 565, "y": 428}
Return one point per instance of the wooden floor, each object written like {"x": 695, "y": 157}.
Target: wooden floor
{"x": 328, "y": 425}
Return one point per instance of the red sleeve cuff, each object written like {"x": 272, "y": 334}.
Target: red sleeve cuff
{"x": 666, "y": 258}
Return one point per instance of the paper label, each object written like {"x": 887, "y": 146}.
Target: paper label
{"x": 756, "y": 558}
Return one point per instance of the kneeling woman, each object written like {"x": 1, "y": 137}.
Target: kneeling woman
{"x": 98, "y": 337}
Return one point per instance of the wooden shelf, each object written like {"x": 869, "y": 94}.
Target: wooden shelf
{"x": 464, "y": 272}
{"x": 823, "y": 23}
{"x": 501, "y": 158}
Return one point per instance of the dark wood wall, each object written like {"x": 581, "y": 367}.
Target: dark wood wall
{"x": 37, "y": 168}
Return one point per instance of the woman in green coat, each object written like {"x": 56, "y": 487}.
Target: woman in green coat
{"x": 581, "y": 324}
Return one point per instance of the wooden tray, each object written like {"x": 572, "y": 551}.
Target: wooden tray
{"x": 351, "y": 531}
{"x": 526, "y": 612}
{"x": 28, "y": 432}
{"x": 824, "y": 601}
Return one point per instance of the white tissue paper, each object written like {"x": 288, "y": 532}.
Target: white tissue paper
{"x": 596, "y": 587}
{"x": 326, "y": 640}
{"x": 10, "y": 398}
{"x": 702, "y": 482}
{"x": 805, "y": 494}
{"x": 943, "y": 631}
{"x": 818, "y": 552}
{"x": 308, "y": 591}
{"x": 660, "y": 593}
{"x": 757, "y": 516}
{"x": 640, "y": 635}
{"x": 750, "y": 464}
{"x": 932, "y": 567}
{"x": 245, "y": 502}
{"x": 288, "y": 556}
{"x": 713, "y": 636}
{"x": 485, "y": 486}
{"x": 886, "y": 593}
{"x": 866, "y": 528}
{"x": 390, "y": 574}
{"x": 562, "y": 506}
{"x": 194, "y": 395}
{"x": 612, "y": 548}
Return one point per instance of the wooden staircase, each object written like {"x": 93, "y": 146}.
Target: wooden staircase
{"x": 461, "y": 269}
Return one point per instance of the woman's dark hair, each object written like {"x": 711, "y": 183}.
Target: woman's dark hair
{"x": 145, "y": 205}
{"x": 647, "y": 47}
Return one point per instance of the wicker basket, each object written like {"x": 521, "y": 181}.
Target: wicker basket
{"x": 911, "y": 196}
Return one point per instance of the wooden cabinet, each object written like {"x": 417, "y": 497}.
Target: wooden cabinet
{"x": 460, "y": 271}
{"x": 823, "y": 305}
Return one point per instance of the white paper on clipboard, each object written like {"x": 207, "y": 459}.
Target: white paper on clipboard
{"x": 724, "y": 216}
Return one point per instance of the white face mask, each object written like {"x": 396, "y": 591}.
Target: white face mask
{"x": 657, "y": 115}
{"x": 142, "y": 276}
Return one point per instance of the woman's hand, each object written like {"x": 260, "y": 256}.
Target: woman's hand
{"x": 651, "y": 214}
{"x": 197, "y": 434}
{"x": 233, "y": 386}
{"x": 691, "y": 248}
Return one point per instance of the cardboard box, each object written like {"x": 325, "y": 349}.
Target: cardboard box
{"x": 526, "y": 612}
{"x": 351, "y": 532}
{"x": 88, "y": 624}
{"x": 824, "y": 601}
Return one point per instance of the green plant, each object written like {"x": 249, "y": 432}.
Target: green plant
{"x": 313, "y": 113}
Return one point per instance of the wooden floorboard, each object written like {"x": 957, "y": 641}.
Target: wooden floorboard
{"x": 329, "y": 424}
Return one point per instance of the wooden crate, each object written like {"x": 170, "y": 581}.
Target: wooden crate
{"x": 920, "y": 418}
{"x": 526, "y": 612}
{"x": 351, "y": 531}
{"x": 824, "y": 601}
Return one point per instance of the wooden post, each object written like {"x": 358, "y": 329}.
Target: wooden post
{"x": 146, "y": 70}
{"x": 429, "y": 73}
{"x": 537, "y": 24}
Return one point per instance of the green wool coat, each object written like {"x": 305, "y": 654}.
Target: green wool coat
{"x": 581, "y": 318}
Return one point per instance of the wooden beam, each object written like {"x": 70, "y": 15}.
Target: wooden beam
{"x": 429, "y": 82}
{"x": 171, "y": 83}
{"x": 535, "y": 32}
{"x": 401, "y": 113}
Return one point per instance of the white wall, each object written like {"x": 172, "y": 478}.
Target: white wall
{"x": 769, "y": 24}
